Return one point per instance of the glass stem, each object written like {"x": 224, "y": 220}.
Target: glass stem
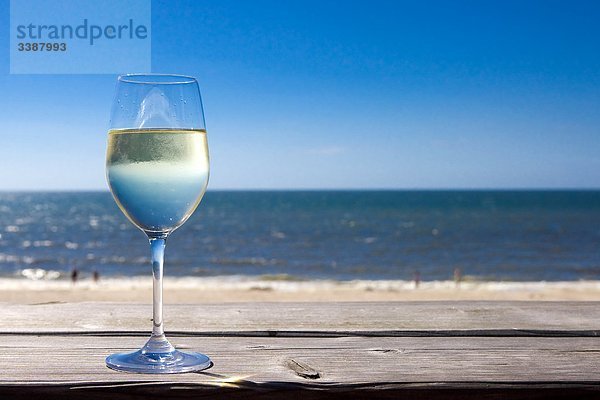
{"x": 157, "y": 246}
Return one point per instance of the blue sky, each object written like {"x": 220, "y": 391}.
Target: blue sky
{"x": 371, "y": 94}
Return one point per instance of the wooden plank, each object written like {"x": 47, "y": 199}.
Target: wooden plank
{"x": 474, "y": 318}
{"x": 348, "y": 360}
{"x": 268, "y": 366}
{"x": 310, "y": 350}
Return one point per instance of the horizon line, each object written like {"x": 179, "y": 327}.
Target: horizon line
{"x": 441, "y": 189}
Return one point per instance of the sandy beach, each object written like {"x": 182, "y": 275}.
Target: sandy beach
{"x": 239, "y": 289}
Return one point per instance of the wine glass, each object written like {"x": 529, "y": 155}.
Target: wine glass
{"x": 157, "y": 168}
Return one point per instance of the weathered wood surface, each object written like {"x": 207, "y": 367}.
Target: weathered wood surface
{"x": 508, "y": 318}
{"x": 310, "y": 350}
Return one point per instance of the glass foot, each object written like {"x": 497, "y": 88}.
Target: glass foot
{"x": 158, "y": 356}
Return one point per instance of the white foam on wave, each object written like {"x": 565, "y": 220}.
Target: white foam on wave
{"x": 48, "y": 280}
{"x": 37, "y": 274}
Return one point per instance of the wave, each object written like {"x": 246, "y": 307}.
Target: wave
{"x": 38, "y": 279}
{"x": 36, "y": 274}
{"x": 257, "y": 261}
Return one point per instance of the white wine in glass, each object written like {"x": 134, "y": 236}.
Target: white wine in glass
{"x": 157, "y": 167}
{"x": 157, "y": 176}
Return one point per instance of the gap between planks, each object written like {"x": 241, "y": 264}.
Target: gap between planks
{"x": 328, "y": 334}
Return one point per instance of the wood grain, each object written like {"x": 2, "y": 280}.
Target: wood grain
{"x": 345, "y": 360}
{"x": 310, "y": 350}
{"x": 498, "y": 317}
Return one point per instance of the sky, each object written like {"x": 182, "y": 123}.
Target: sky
{"x": 325, "y": 94}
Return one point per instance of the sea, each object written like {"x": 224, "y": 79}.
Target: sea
{"x": 314, "y": 235}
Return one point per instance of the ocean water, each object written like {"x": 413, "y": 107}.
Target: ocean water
{"x": 340, "y": 235}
